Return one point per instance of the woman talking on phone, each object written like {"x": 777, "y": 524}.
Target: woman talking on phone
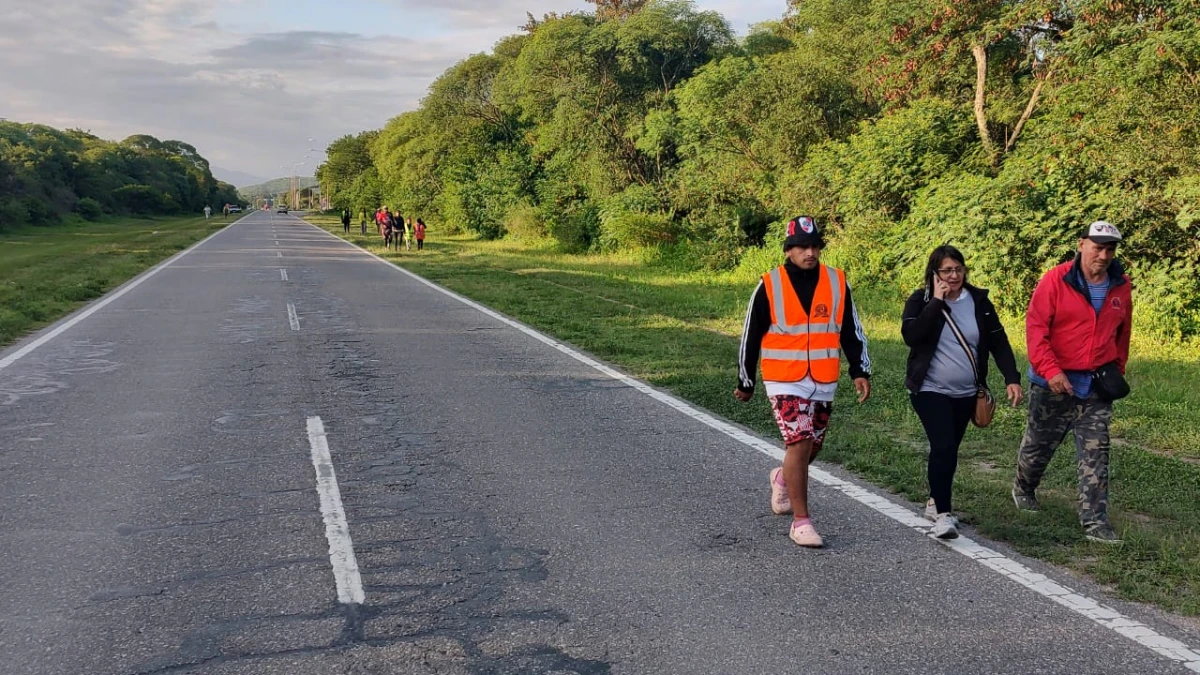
{"x": 950, "y": 328}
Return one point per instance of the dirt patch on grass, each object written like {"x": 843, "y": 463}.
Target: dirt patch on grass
{"x": 1194, "y": 461}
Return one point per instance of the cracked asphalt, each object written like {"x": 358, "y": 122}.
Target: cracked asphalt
{"x": 512, "y": 510}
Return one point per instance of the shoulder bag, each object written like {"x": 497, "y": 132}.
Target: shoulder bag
{"x": 985, "y": 403}
{"x": 1109, "y": 384}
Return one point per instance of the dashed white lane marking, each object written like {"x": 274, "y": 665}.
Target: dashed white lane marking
{"x": 279, "y": 254}
{"x": 283, "y": 275}
{"x": 1038, "y": 583}
{"x": 293, "y": 318}
{"x": 337, "y": 530}
{"x": 106, "y": 300}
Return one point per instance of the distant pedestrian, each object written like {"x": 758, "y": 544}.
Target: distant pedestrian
{"x": 800, "y": 319}
{"x": 389, "y": 228}
{"x": 362, "y": 224}
{"x": 346, "y": 221}
{"x": 419, "y": 233}
{"x": 207, "y": 211}
{"x": 380, "y": 219}
{"x": 408, "y": 234}
{"x": 1077, "y": 332}
{"x": 950, "y": 328}
{"x": 225, "y": 211}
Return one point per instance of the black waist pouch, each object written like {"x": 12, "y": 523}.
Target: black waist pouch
{"x": 1109, "y": 383}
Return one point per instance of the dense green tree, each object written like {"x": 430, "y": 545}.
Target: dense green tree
{"x": 1003, "y": 126}
{"x": 346, "y": 159}
{"x": 46, "y": 173}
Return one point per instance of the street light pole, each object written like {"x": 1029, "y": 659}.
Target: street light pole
{"x": 296, "y": 189}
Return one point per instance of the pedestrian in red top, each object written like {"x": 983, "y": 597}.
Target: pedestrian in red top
{"x": 1077, "y": 333}
{"x": 419, "y": 232}
{"x": 380, "y": 219}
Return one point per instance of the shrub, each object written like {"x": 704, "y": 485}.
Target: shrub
{"x": 632, "y": 229}
{"x": 139, "y": 199}
{"x": 1167, "y": 298}
{"x": 12, "y": 213}
{"x": 576, "y": 228}
{"x": 38, "y": 212}
{"x": 633, "y": 218}
{"x": 524, "y": 222}
{"x": 89, "y": 209}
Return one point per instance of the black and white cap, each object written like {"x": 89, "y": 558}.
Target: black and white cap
{"x": 1103, "y": 232}
{"x": 803, "y": 231}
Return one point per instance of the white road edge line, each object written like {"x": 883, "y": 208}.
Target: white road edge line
{"x": 1038, "y": 583}
{"x": 293, "y": 318}
{"x": 337, "y": 530}
{"x": 283, "y": 275}
{"x": 107, "y": 300}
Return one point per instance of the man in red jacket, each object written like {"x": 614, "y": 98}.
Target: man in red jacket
{"x": 1079, "y": 319}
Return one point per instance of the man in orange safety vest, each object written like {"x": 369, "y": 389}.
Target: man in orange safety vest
{"x": 800, "y": 320}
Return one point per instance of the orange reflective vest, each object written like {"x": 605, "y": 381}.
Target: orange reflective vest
{"x": 797, "y": 344}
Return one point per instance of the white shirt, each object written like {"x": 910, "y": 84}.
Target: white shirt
{"x": 806, "y": 389}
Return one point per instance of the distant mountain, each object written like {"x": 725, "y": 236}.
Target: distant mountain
{"x": 238, "y": 178}
{"x": 273, "y": 187}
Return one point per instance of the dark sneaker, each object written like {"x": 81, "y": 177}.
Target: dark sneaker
{"x": 1102, "y": 533}
{"x": 1025, "y": 502}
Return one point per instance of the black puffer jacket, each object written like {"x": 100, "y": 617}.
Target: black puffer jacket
{"x": 922, "y": 328}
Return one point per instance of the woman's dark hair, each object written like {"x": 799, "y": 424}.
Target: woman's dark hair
{"x": 935, "y": 260}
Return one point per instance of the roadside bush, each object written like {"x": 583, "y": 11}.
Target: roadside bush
{"x": 38, "y": 212}
{"x": 620, "y": 229}
{"x": 89, "y": 208}
{"x": 576, "y": 229}
{"x": 1166, "y": 298}
{"x": 524, "y": 222}
{"x": 12, "y": 213}
{"x": 139, "y": 199}
{"x": 880, "y": 169}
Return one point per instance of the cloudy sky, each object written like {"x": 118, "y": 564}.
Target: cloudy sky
{"x": 248, "y": 82}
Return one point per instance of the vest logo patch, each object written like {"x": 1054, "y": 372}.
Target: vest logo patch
{"x": 821, "y": 312}
{"x": 1116, "y": 303}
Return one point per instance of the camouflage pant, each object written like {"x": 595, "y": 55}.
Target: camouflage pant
{"x": 1051, "y": 416}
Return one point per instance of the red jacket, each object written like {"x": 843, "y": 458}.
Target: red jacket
{"x": 1064, "y": 332}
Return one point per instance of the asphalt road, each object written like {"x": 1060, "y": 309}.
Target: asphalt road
{"x": 510, "y": 509}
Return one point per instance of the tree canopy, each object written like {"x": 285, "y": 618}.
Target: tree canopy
{"x": 1001, "y": 126}
{"x": 46, "y": 173}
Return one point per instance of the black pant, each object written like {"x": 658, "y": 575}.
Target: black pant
{"x": 945, "y": 420}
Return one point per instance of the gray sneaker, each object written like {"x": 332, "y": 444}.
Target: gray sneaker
{"x": 945, "y": 527}
{"x": 1102, "y": 533}
{"x": 1025, "y": 502}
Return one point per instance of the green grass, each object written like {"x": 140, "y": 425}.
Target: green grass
{"x": 679, "y": 330}
{"x": 48, "y": 272}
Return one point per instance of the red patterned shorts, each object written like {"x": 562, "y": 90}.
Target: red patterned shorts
{"x": 801, "y": 420}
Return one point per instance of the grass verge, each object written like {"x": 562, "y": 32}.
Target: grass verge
{"x": 679, "y": 330}
{"x": 48, "y": 272}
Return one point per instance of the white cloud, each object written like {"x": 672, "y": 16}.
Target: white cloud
{"x": 249, "y": 100}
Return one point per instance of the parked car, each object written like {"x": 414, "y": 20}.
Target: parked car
{"x": 235, "y": 209}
